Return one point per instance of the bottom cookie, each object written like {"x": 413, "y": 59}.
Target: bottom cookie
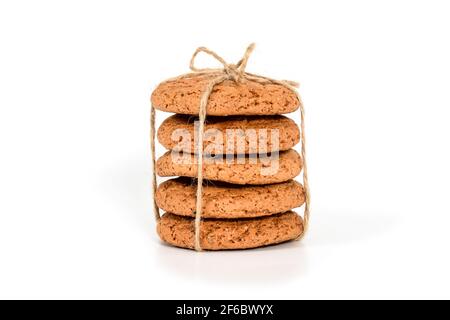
{"x": 217, "y": 234}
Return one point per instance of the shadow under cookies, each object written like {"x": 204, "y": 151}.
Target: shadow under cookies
{"x": 272, "y": 264}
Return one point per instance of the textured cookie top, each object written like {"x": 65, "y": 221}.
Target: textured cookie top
{"x": 216, "y": 234}
{"x": 228, "y": 98}
{"x": 255, "y": 133}
{"x": 242, "y": 170}
{"x": 225, "y": 201}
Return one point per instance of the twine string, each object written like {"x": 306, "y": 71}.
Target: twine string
{"x": 153, "y": 163}
{"x": 234, "y": 72}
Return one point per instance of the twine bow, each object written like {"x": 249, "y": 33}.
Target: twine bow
{"x": 234, "y": 72}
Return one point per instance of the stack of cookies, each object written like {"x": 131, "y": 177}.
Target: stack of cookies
{"x": 247, "y": 195}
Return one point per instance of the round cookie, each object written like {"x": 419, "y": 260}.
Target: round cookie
{"x": 230, "y": 135}
{"x": 227, "y": 201}
{"x": 216, "y": 234}
{"x": 253, "y": 170}
{"x": 228, "y": 98}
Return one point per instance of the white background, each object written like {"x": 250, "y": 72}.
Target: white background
{"x": 75, "y": 205}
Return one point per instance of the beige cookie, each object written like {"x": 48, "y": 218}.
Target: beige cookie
{"x": 229, "y": 234}
{"x": 239, "y": 170}
{"x": 226, "y": 201}
{"x": 230, "y": 135}
{"x": 227, "y": 98}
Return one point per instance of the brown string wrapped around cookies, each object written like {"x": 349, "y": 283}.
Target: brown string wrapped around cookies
{"x": 234, "y": 72}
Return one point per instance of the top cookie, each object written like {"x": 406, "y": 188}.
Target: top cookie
{"x": 227, "y": 98}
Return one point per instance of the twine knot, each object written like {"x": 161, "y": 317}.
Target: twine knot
{"x": 235, "y": 72}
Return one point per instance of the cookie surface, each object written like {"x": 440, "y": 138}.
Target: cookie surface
{"x": 259, "y": 170}
{"x": 227, "y": 201}
{"x": 229, "y": 234}
{"x": 228, "y": 98}
{"x": 230, "y": 135}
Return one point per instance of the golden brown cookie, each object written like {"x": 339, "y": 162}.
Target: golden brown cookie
{"x": 239, "y": 170}
{"x": 229, "y": 234}
{"x": 230, "y": 135}
{"x": 227, "y": 201}
{"x": 228, "y": 98}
